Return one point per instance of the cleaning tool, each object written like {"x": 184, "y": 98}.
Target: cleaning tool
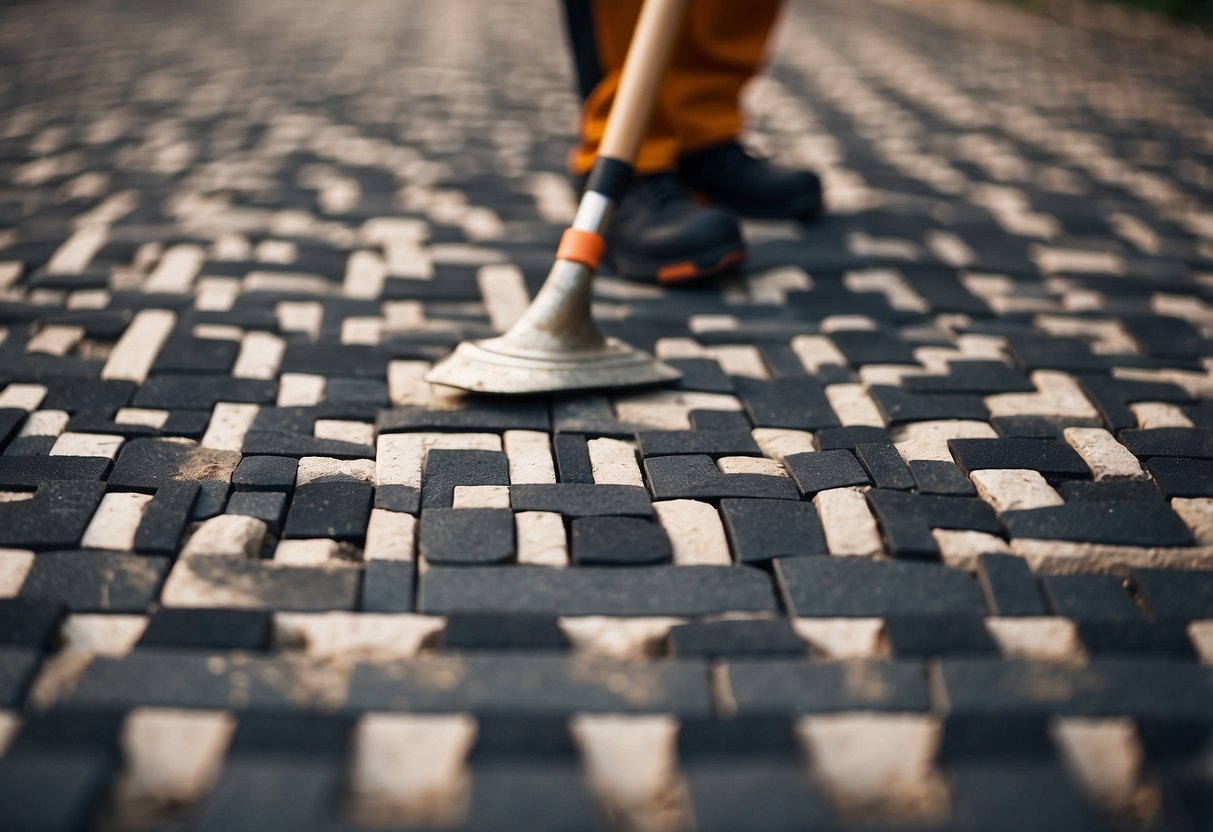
{"x": 555, "y": 345}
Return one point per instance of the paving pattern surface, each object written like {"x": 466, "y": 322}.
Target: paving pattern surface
{"x": 923, "y": 539}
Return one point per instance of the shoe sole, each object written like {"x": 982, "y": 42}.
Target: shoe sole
{"x": 684, "y": 270}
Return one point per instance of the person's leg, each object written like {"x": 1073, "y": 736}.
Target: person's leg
{"x": 658, "y": 231}
{"x": 600, "y": 32}
{"x": 722, "y": 46}
{"x": 725, "y": 47}
{"x": 579, "y": 24}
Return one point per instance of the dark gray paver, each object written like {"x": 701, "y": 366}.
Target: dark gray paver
{"x": 834, "y": 587}
{"x": 533, "y": 684}
{"x": 649, "y": 590}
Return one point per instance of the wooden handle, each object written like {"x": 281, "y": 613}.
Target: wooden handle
{"x": 648, "y": 54}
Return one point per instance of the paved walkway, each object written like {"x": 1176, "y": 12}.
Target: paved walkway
{"x": 925, "y": 535}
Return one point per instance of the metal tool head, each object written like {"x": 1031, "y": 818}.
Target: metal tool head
{"x": 553, "y": 347}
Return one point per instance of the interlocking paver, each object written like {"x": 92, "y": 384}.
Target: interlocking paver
{"x": 258, "y": 567}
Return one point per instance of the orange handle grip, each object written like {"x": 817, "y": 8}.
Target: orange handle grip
{"x": 584, "y": 247}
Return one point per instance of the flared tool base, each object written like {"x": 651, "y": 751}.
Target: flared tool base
{"x": 491, "y": 366}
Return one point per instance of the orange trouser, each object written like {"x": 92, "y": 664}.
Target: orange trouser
{"x": 722, "y": 45}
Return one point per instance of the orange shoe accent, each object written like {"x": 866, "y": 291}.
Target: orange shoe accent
{"x": 678, "y": 272}
{"x": 584, "y": 247}
{"x": 687, "y": 270}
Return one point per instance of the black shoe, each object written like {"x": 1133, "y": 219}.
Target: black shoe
{"x": 660, "y": 234}
{"x": 729, "y": 176}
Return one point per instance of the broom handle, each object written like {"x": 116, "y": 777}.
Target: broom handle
{"x": 652, "y": 42}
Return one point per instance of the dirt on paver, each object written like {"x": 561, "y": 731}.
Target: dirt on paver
{"x": 923, "y": 536}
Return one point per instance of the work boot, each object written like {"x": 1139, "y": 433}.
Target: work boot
{"x": 729, "y": 176}
{"x": 660, "y": 234}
